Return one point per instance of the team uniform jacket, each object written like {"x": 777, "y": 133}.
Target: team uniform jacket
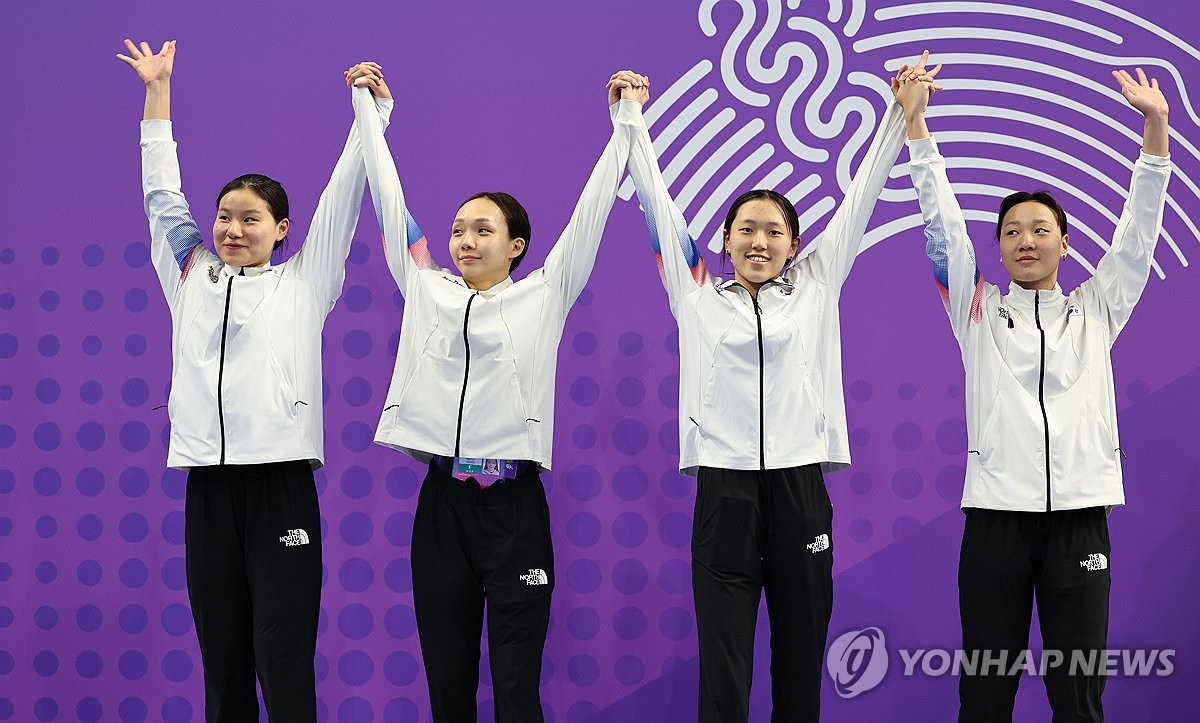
{"x": 246, "y": 351}
{"x": 475, "y": 370}
{"x": 760, "y": 381}
{"x": 1041, "y": 410}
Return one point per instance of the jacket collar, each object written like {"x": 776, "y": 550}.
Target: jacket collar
{"x": 785, "y": 285}
{"x": 231, "y": 270}
{"x": 1019, "y": 295}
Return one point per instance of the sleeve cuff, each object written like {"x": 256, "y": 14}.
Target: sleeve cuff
{"x": 156, "y": 130}
{"x": 627, "y": 111}
{"x": 1152, "y": 160}
{"x": 922, "y": 149}
{"x": 386, "y": 106}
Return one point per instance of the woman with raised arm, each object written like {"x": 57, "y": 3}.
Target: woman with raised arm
{"x": 761, "y": 418}
{"x": 245, "y": 406}
{"x": 1043, "y": 458}
{"x": 474, "y": 381}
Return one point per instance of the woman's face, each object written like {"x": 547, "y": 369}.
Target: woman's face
{"x": 759, "y": 242}
{"x": 480, "y": 245}
{"x": 245, "y": 232}
{"x": 1032, "y": 245}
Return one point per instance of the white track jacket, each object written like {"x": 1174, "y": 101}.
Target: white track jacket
{"x": 475, "y": 371}
{"x": 246, "y": 351}
{"x": 1041, "y": 410}
{"x": 760, "y": 381}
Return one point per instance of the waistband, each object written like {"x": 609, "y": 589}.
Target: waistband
{"x": 527, "y": 480}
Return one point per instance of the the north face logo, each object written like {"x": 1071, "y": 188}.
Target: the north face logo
{"x": 535, "y": 576}
{"x": 294, "y": 537}
{"x": 1094, "y": 562}
{"x": 820, "y": 544}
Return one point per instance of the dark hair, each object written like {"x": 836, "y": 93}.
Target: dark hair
{"x": 785, "y": 207}
{"x": 1040, "y": 196}
{"x": 266, "y": 188}
{"x": 515, "y": 218}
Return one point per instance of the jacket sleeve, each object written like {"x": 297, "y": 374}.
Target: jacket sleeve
{"x": 175, "y": 241}
{"x": 569, "y": 263}
{"x": 404, "y": 246}
{"x": 836, "y": 248}
{"x": 680, "y": 262}
{"x": 1124, "y": 269}
{"x": 947, "y": 244}
{"x": 321, "y": 260}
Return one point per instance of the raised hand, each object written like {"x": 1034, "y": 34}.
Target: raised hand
{"x": 151, "y": 67}
{"x": 1142, "y": 94}
{"x": 628, "y": 85}
{"x": 917, "y": 74}
{"x": 912, "y": 87}
{"x": 370, "y": 75}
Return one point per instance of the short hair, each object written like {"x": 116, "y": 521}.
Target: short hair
{"x": 266, "y": 188}
{"x": 1040, "y": 196}
{"x": 515, "y": 218}
{"x": 785, "y": 207}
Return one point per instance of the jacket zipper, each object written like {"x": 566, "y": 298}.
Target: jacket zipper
{"x": 1037, "y": 317}
{"x": 762, "y": 446}
{"x": 221, "y": 367}
{"x": 462, "y": 399}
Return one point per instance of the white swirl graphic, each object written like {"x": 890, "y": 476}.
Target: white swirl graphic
{"x": 791, "y": 96}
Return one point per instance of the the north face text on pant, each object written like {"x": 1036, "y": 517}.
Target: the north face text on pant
{"x": 535, "y": 576}
{"x": 294, "y": 537}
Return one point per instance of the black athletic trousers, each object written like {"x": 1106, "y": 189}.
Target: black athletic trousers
{"x": 756, "y": 530}
{"x": 1010, "y": 558}
{"x": 472, "y": 547}
{"x": 253, "y": 540}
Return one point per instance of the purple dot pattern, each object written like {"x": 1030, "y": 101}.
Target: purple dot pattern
{"x": 94, "y": 616}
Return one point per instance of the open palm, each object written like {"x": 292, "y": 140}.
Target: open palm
{"x": 151, "y": 67}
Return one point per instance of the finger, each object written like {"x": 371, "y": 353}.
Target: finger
{"x": 1142, "y": 77}
{"x": 125, "y": 58}
{"x": 1154, "y": 83}
{"x": 166, "y": 46}
{"x": 146, "y": 48}
{"x": 133, "y": 49}
{"x": 936, "y": 69}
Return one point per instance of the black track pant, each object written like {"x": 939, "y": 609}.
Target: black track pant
{"x": 1008, "y": 559}
{"x": 473, "y": 547}
{"x": 253, "y": 538}
{"x": 756, "y": 530}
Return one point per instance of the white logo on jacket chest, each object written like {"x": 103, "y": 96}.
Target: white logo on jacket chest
{"x": 1094, "y": 562}
{"x": 294, "y": 537}
{"x": 820, "y": 544}
{"x": 212, "y": 274}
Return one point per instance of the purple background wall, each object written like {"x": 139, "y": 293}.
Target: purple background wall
{"x": 94, "y": 623}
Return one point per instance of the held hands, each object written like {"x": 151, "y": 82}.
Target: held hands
{"x": 151, "y": 67}
{"x": 369, "y": 75}
{"x": 913, "y": 86}
{"x": 628, "y": 85}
